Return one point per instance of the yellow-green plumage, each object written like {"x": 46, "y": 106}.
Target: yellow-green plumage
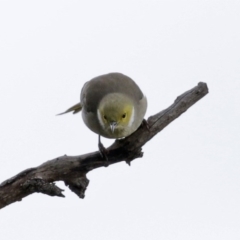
{"x": 112, "y": 105}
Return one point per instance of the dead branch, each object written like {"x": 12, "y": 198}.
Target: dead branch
{"x": 73, "y": 169}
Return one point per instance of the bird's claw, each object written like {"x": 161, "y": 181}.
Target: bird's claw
{"x": 145, "y": 124}
{"x": 103, "y": 152}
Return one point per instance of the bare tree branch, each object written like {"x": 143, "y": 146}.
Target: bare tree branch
{"x": 73, "y": 169}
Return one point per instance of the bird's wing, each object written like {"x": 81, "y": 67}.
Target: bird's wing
{"x": 94, "y": 90}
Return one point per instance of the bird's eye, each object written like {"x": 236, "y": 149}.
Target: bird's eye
{"x": 104, "y": 116}
{"x": 124, "y": 115}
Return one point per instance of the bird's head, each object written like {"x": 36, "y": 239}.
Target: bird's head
{"x": 116, "y": 114}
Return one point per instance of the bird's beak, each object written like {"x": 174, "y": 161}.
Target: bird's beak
{"x": 113, "y": 126}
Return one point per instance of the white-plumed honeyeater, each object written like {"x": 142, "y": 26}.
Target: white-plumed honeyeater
{"x": 112, "y": 105}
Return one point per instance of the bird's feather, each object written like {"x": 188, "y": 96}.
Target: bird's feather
{"x": 75, "y": 109}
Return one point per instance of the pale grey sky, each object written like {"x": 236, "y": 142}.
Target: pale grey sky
{"x": 187, "y": 185}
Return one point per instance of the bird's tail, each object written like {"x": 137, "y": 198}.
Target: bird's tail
{"x": 75, "y": 109}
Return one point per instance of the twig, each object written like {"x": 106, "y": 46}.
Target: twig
{"x": 73, "y": 169}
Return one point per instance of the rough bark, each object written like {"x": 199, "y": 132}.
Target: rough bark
{"x": 73, "y": 169}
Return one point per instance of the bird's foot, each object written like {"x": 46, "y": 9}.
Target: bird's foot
{"x": 103, "y": 152}
{"x": 145, "y": 124}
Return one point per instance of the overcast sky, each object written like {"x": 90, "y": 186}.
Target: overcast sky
{"x": 187, "y": 185}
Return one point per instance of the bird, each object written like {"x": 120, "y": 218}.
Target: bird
{"x": 112, "y": 105}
